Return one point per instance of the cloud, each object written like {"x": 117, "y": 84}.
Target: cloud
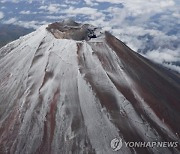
{"x": 166, "y": 57}
{"x": 10, "y": 21}
{"x": 43, "y": 7}
{"x": 176, "y": 14}
{"x": 90, "y": 3}
{"x": 31, "y": 24}
{"x": 92, "y": 13}
{"x": 172, "y": 67}
{"x": 153, "y": 44}
{"x": 140, "y": 7}
{"x": 25, "y": 12}
{"x": 51, "y": 8}
{"x": 72, "y": 2}
{"x": 149, "y": 27}
{"x": 1, "y": 15}
{"x": 3, "y": 7}
{"x": 102, "y": 1}
{"x": 55, "y": 17}
{"x": 12, "y": 1}
{"x": 27, "y": 24}
{"x": 83, "y": 10}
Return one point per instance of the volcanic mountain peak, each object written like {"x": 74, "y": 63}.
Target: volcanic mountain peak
{"x": 60, "y": 95}
{"x": 69, "y": 29}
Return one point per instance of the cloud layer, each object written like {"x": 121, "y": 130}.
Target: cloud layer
{"x": 1, "y": 15}
{"x": 150, "y": 27}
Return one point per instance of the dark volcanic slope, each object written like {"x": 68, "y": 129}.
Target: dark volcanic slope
{"x": 153, "y": 83}
{"x": 67, "y": 96}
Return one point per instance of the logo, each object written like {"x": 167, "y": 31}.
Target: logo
{"x": 116, "y": 144}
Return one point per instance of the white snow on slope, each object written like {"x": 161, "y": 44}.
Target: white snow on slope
{"x": 54, "y": 105}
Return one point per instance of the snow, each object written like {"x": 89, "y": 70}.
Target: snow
{"x": 52, "y": 85}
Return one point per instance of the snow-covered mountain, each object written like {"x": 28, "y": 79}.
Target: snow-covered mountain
{"x": 72, "y": 88}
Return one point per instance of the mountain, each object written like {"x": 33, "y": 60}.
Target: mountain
{"x": 72, "y": 88}
{"x": 10, "y": 33}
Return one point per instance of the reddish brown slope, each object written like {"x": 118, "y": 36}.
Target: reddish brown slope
{"x": 67, "y": 96}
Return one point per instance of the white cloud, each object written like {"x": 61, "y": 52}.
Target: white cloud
{"x": 52, "y": 8}
{"x": 140, "y": 7}
{"x": 10, "y": 21}
{"x": 172, "y": 67}
{"x": 1, "y": 15}
{"x": 43, "y": 7}
{"x": 26, "y": 24}
{"x": 165, "y": 57}
{"x": 25, "y": 12}
{"x": 90, "y": 2}
{"x": 64, "y": 5}
{"x": 110, "y": 1}
{"x": 58, "y": 18}
{"x": 140, "y": 13}
{"x": 13, "y": 1}
{"x": 154, "y": 18}
{"x": 31, "y": 24}
{"x": 83, "y": 11}
{"x": 176, "y": 14}
{"x": 72, "y": 2}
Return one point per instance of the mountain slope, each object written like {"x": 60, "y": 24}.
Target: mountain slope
{"x": 59, "y": 95}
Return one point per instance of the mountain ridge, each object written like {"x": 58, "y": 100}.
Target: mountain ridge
{"x": 69, "y": 96}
